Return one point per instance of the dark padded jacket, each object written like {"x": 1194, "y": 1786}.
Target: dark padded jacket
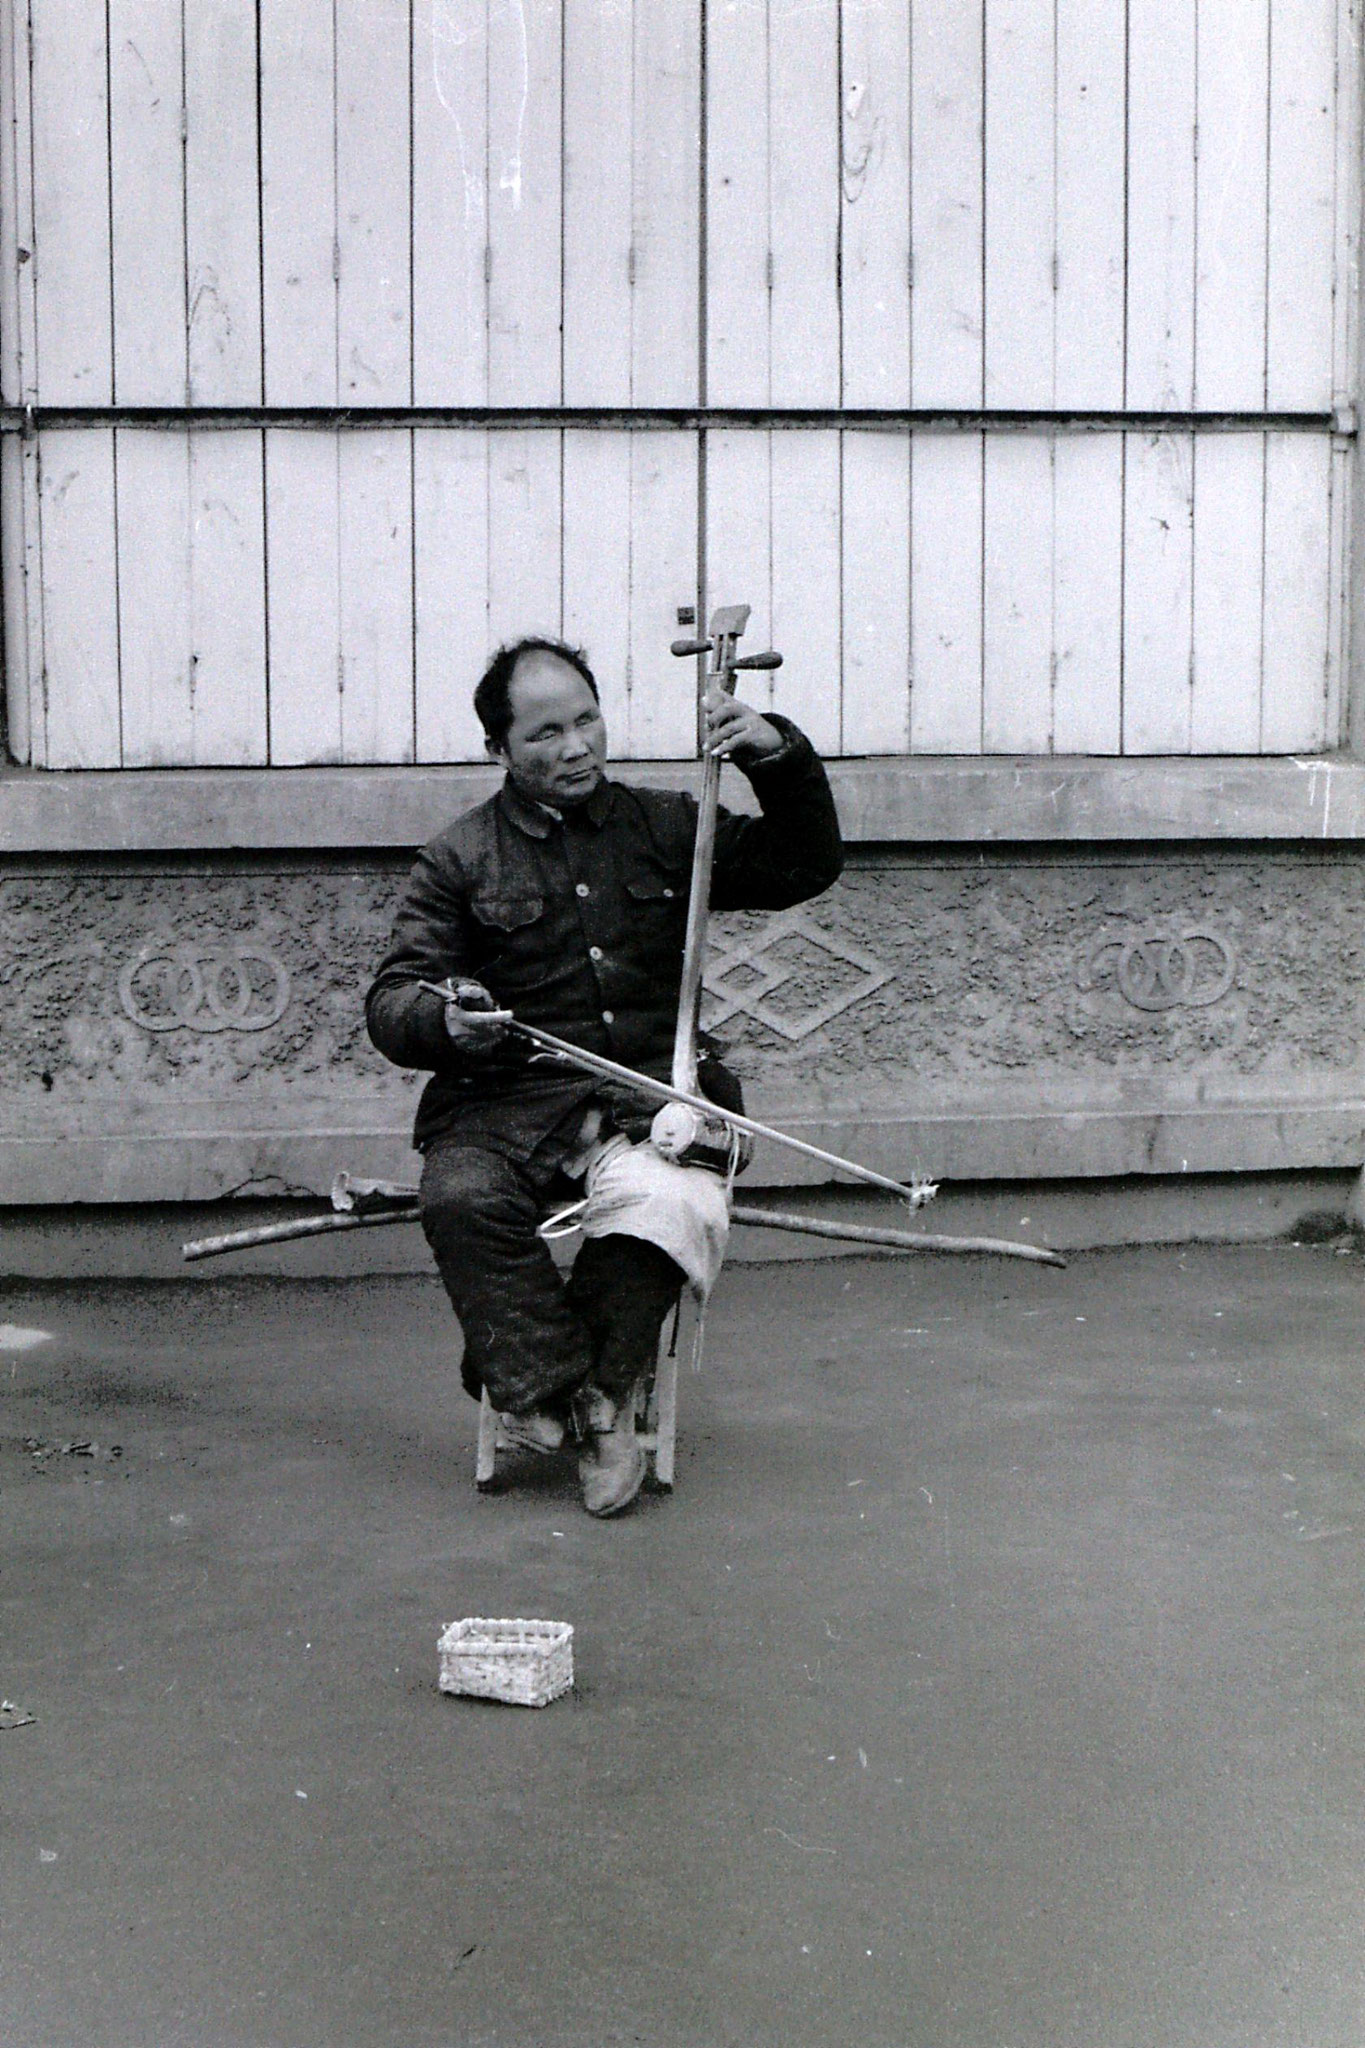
{"x": 577, "y": 924}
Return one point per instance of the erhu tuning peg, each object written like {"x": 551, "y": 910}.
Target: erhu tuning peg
{"x": 690, "y": 647}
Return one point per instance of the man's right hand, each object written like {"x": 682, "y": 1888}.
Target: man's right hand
{"x": 475, "y": 1022}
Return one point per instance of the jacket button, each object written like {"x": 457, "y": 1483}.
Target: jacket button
{"x": 580, "y": 889}
{"x": 594, "y": 952}
{"x": 669, "y": 894}
{"x": 608, "y": 1016}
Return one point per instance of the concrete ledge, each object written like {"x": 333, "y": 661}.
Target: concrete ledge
{"x": 144, "y": 1241}
{"x": 929, "y": 801}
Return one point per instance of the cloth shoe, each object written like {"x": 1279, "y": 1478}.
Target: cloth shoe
{"x": 611, "y": 1464}
{"x": 538, "y": 1430}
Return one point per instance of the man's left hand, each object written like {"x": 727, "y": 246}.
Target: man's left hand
{"x": 736, "y": 732}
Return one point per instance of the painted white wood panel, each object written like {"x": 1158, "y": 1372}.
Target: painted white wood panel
{"x": 1297, "y": 599}
{"x": 1020, "y": 204}
{"x": 599, "y": 112}
{"x": 1158, "y": 517}
{"x": 946, "y": 203}
{"x": 374, "y": 550}
{"x": 1229, "y": 539}
{"x": 597, "y": 566}
{"x": 71, "y": 204}
{"x": 803, "y": 188}
{"x": 1091, "y": 201}
{"x": 302, "y": 530}
{"x": 1087, "y": 594}
{"x": 1161, "y": 205}
{"x": 221, "y": 210}
{"x": 1303, "y": 196}
{"x": 147, "y": 203}
{"x": 16, "y": 188}
{"x": 450, "y": 202}
{"x": 663, "y": 575}
{"x": 806, "y": 586}
{"x": 298, "y": 199}
{"x": 1017, "y": 560}
{"x": 227, "y": 598}
{"x": 80, "y": 712}
{"x": 525, "y": 115}
{"x": 665, "y": 203}
{"x": 739, "y": 529}
{"x": 373, "y": 205}
{"x": 525, "y": 529}
{"x": 945, "y": 616}
{"x": 875, "y": 200}
{"x": 738, "y": 206}
{"x": 450, "y": 555}
{"x": 15, "y": 623}
{"x": 876, "y": 593}
{"x": 1233, "y": 46}
{"x": 155, "y": 636}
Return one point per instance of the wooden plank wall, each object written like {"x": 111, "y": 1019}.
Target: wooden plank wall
{"x": 504, "y": 203}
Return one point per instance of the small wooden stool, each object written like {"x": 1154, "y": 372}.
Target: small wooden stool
{"x": 654, "y": 1419}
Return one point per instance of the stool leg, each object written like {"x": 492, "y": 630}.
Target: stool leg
{"x": 486, "y": 1457}
{"x": 665, "y": 1412}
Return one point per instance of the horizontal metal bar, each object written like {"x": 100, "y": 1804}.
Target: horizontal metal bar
{"x": 17, "y": 419}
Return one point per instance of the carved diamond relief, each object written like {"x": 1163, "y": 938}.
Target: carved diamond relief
{"x": 795, "y": 978}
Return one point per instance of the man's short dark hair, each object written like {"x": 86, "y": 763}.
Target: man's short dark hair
{"x": 493, "y": 697}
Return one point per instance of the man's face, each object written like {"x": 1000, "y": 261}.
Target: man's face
{"x": 556, "y": 745}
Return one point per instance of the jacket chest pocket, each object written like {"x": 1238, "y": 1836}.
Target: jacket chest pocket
{"x": 510, "y": 933}
{"x": 656, "y": 904}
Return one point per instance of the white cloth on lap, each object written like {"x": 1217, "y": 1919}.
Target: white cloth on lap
{"x": 633, "y": 1191}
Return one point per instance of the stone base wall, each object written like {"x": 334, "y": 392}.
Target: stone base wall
{"x": 180, "y": 1027}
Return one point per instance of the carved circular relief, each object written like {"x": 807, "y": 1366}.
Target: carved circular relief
{"x": 204, "y": 988}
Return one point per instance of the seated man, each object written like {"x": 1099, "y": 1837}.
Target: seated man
{"x": 563, "y": 899}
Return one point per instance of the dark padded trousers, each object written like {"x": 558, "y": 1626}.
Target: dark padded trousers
{"x": 530, "y": 1337}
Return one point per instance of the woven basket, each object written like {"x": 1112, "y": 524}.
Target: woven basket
{"x": 526, "y": 1663}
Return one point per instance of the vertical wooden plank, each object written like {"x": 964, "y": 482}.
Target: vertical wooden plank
{"x": 450, "y": 202}
{"x": 1297, "y": 594}
{"x": 1160, "y": 245}
{"x": 147, "y": 194}
{"x": 1230, "y": 272}
{"x": 17, "y": 364}
{"x": 303, "y": 567}
{"x": 298, "y": 172}
{"x": 875, "y": 202}
{"x": 1016, "y": 668}
{"x": 803, "y": 183}
{"x": 663, "y": 575}
{"x": 739, "y": 528}
{"x": 525, "y": 519}
{"x": 1229, "y": 539}
{"x": 1021, "y": 227}
{"x": 525, "y": 115}
{"x": 15, "y": 623}
{"x": 222, "y": 247}
{"x": 1303, "y": 110}
{"x": 1349, "y": 182}
{"x": 1091, "y": 197}
{"x": 945, "y": 594}
{"x": 665, "y": 196}
{"x": 1158, "y": 515}
{"x": 227, "y": 598}
{"x": 946, "y": 203}
{"x": 71, "y": 205}
{"x": 876, "y": 593}
{"x": 738, "y": 240}
{"x": 1087, "y": 599}
{"x": 79, "y": 601}
{"x": 156, "y": 714}
{"x": 599, "y": 93}
{"x": 450, "y": 553}
{"x": 807, "y": 628}
{"x": 597, "y": 560}
{"x": 373, "y": 197}
{"x": 374, "y": 555}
